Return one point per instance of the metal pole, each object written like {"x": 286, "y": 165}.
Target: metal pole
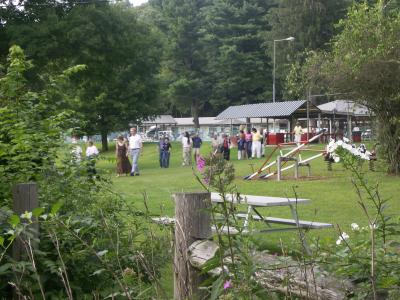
{"x": 308, "y": 114}
{"x": 273, "y": 78}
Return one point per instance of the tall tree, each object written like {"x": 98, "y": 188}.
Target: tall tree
{"x": 119, "y": 85}
{"x": 310, "y": 22}
{"x": 240, "y": 69}
{"x": 185, "y": 71}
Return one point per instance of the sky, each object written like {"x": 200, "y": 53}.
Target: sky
{"x": 137, "y": 2}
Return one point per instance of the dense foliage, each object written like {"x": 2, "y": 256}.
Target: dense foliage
{"x": 122, "y": 56}
{"x": 91, "y": 242}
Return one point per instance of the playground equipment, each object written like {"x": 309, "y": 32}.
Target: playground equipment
{"x": 290, "y": 154}
{"x": 329, "y": 154}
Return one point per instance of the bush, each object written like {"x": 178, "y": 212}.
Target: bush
{"x": 91, "y": 243}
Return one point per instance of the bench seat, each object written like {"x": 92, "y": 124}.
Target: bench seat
{"x": 302, "y": 223}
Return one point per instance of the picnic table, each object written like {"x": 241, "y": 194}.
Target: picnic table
{"x": 255, "y": 202}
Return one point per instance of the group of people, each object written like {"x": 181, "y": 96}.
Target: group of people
{"x": 189, "y": 145}
{"x": 133, "y": 147}
{"x": 250, "y": 145}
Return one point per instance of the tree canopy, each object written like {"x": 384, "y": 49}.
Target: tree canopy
{"x": 122, "y": 56}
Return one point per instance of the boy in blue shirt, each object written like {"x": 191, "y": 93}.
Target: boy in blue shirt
{"x": 196, "y": 146}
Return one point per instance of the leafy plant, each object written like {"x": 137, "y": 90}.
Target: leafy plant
{"x": 368, "y": 255}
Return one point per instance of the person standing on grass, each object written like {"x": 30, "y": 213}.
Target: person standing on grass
{"x": 91, "y": 155}
{"x": 186, "y": 149}
{"x": 121, "y": 150}
{"x": 225, "y": 147}
{"x": 196, "y": 146}
{"x": 214, "y": 143}
{"x": 135, "y": 149}
{"x": 248, "y": 144}
{"x": 256, "y": 144}
{"x": 297, "y": 131}
{"x": 160, "y": 150}
{"x": 241, "y": 145}
{"x": 165, "y": 153}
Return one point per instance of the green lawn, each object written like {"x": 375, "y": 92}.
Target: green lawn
{"x": 333, "y": 197}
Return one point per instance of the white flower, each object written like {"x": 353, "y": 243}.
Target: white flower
{"x": 342, "y": 237}
{"x": 373, "y": 226}
{"x": 355, "y": 227}
{"x": 26, "y": 215}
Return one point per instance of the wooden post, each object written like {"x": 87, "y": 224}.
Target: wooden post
{"x": 24, "y": 199}
{"x": 296, "y": 169}
{"x": 192, "y": 222}
{"x": 279, "y": 167}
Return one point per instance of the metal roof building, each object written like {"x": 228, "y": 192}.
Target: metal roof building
{"x": 344, "y": 108}
{"x": 272, "y": 110}
{"x": 161, "y": 119}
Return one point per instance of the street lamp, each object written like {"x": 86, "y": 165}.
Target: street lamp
{"x": 290, "y": 39}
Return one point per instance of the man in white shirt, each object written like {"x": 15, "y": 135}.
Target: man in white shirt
{"x": 91, "y": 150}
{"x": 135, "y": 148}
{"x": 91, "y": 154}
{"x": 297, "y": 131}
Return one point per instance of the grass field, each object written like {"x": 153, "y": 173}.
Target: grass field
{"x": 333, "y": 197}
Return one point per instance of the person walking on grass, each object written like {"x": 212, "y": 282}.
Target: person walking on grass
{"x": 186, "y": 149}
{"x": 297, "y": 131}
{"x": 121, "y": 151}
{"x": 135, "y": 149}
{"x": 197, "y": 142}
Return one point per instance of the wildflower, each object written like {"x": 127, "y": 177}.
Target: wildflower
{"x": 342, "y": 237}
{"x": 373, "y": 226}
{"x": 26, "y": 215}
{"x": 227, "y": 285}
{"x": 200, "y": 164}
{"x": 355, "y": 227}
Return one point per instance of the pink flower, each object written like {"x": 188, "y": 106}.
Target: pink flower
{"x": 227, "y": 285}
{"x": 200, "y": 163}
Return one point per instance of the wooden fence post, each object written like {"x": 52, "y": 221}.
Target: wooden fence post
{"x": 25, "y": 198}
{"x": 192, "y": 222}
{"x": 279, "y": 168}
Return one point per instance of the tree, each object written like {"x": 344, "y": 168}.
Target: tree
{"x": 233, "y": 34}
{"x": 311, "y": 22}
{"x": 184, "y": 70}
{"x": 122, "y": 58}
{"x": 364, "y": 62}
{"x": 119, "y": 86}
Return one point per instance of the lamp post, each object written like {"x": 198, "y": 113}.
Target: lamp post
{"x": 290, "y": 39}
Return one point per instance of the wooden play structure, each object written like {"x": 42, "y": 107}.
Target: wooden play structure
{"x": 284, "y": 158}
